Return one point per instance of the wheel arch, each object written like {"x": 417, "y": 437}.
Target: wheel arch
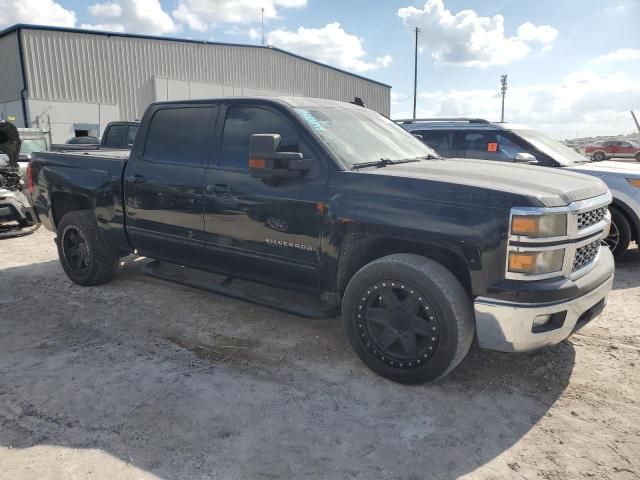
{"x": 630, "y": 216}
{"x": 359, "y": 250}
{"x": 65, "y": 202}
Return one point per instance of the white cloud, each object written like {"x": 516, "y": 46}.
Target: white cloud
{"x": 201, "y": 15}
{"x": 589, "y": 103}
{"x": 106, "y": 10}
{"x": 468, "y": 39}
{"x": 621, "y": 55}
{"x": 134, "y": 16}
{"x": 40, "y": 12}
{"x": 329, "y": 44}
{"x": 104, "y": 27}
{"x": 545, "y": 34}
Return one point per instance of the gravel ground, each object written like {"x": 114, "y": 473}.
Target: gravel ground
{"x": 140, "y": 378}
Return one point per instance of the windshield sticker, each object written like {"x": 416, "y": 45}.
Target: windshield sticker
{"x": 310, "y": 119}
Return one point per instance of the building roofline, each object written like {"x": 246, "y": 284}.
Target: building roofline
{"x": 25, "y": 26}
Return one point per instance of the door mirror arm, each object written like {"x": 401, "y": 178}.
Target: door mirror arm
{"x": 266, "y": 162}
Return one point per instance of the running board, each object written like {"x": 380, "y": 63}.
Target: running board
{"x": 295, "y": 303}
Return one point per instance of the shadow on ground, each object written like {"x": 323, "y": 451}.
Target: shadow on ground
{"x": 77, "y": 364}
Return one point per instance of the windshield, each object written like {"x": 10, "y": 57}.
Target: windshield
{"x": 357, "y": 135}
{"x": 562, "y": 154}
{"x": 30, "y": 146}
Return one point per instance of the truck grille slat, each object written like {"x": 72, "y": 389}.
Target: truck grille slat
{"x": 586, "y": 219}
{"x": 585, "y": 255}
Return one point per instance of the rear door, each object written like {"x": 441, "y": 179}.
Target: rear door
{"x": 264, "y": 228}
{"x": 164, "y": 183}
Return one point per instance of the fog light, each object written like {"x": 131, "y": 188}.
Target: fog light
{"x": 541, "y": 320}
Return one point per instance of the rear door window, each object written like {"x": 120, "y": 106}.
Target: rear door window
{"x": 440, "y": 140}
{"x": 177, "y": 136}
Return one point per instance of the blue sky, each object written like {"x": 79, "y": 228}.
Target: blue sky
{"x": 573, "y": 65}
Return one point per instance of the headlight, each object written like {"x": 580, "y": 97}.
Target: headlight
{"x": 535, "y": 263}
{"x": 634, "y": 181}
{"x": 539, "y": 226}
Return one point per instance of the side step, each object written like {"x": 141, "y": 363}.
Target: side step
{"x": 300, "y": 304}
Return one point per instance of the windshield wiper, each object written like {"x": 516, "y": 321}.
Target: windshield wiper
{"x": 383, "y": 162}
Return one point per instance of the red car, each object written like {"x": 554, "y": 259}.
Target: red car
{"x": 613, "y": 149}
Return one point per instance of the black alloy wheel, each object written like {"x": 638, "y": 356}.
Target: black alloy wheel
{"x": 76, "y": 250}
{"x": 397, "y": 324}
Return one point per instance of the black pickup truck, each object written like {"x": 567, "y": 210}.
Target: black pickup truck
{"x": 337, "y": 200}
{"x": 117, "y": 136}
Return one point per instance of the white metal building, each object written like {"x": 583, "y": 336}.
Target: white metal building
{"x": 80, "y": 80}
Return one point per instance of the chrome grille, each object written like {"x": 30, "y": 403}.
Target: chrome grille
{"x": 586, "y": 219}
{"x": 585, "y": 255}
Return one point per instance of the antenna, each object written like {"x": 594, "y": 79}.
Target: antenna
{"x": 264, "y": 42}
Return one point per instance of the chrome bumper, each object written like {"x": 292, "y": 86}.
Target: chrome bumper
{"x": 509, "y": 326}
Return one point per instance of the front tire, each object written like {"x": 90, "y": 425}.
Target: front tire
{"x": 620, "y": 234}
{"x": 637, "y": 157}
{"x": 598, "y": 156}
{"x": 408, "y": 318}
{"x": 84, "y": 256}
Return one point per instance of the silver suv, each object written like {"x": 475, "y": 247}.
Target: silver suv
{"x": 478, "y": 138}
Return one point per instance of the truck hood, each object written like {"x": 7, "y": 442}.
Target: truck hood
{"x": 550, "y": 187}
{"x": 608, "y": 168}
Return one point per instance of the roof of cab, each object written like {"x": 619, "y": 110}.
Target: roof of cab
{"x": 288, "y": 101}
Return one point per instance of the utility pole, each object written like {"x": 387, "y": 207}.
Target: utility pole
{"x": 415, "y": 76}
{"x": 503, "y": 81}
{"x": 264, "y": 42}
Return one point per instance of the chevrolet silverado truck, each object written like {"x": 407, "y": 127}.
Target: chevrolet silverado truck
{"x": 332, "y": 199}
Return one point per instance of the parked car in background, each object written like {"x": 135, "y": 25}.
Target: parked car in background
{"x": 478, "y": 138}
{"x": 117, "y": 136}
{"x": 83, "y": 141}
{"x": 33, "y": 140}
{"x": 17, "y": 216}
{"x": 614, "y": 149}
{"x": 337, "y": 201}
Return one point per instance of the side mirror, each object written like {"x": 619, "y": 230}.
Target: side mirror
{"x": 524, "y": 157}
{"x": 418, "y": 136}
{"x": 266, "y": 162}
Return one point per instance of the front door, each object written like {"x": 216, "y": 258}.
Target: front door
{"x": 264, "y": 228}
{"x": 164, "y": 183}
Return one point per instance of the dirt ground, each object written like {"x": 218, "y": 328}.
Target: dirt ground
{"x": 143, "y": 379}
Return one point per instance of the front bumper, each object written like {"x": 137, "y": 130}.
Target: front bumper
{"x": 509, "y": 326}
{"x": 17, "y": 216}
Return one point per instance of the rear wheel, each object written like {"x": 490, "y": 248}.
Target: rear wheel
{"x": 598, "y": 156}
{"x": 620, "y": 234}
{"x": 408, "y": 318}
{"x": 84, "y": 256}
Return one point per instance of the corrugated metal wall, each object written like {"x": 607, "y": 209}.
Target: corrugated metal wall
{"x": 10, "y": 74}
{"x": 97, "y": 68}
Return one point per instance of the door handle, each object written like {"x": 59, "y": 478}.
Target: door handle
{"x": 217, "y": 188}
{"x": 137, "y": 179}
